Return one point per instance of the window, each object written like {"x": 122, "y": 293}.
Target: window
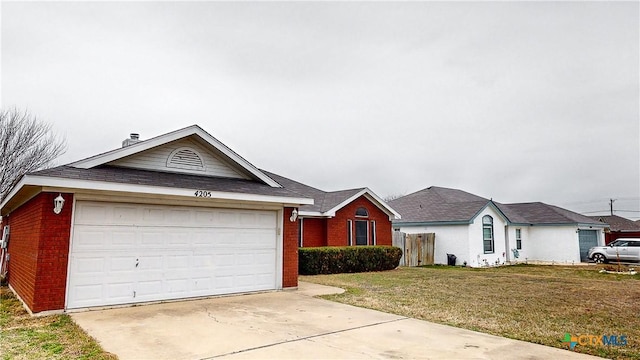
{"x": 362, "y": 212}
{"x": 373, "y": 232}
{"x": 518, "y": 239}
{"x": 300, "y": 233}
{"x": 362, "y": 233}
{"x": 349, "y": 233}
{"x": 487, "y": 234}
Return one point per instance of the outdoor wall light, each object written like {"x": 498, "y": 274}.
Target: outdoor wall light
{"x": 58, "y": 203}
{"x": 294, "y": 215}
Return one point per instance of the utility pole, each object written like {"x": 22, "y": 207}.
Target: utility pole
{"x": 611, "y": 205}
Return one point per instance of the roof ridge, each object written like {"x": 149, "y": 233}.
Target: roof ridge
{"x": 556, "y": 208}
{"x": 269, "y": 173}
{"x": 345, "y": 190}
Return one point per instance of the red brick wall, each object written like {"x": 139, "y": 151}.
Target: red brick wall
{"x": 609, "y": 237}
{"x": 39, "y": 250}
{"x": 337, "y": 226}
{"x": 315, "y": 232}
{"x": 290, "y": 250}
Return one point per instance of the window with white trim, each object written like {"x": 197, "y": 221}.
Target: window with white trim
{"x": 518, "y": 239}
{"x": 373, "y": 232}
{"x": 362, "y": 212}
{"x": 300, "y": 232}
{"x": 362, "y": 232}
{"x": 487, "y": 234}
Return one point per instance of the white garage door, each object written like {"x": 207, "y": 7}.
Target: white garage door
{"x": 128, "y": 253}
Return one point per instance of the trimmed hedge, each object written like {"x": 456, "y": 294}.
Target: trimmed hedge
{"x": 347, "y": 259}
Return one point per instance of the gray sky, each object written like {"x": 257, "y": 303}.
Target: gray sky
{"x": 515, "y": 101}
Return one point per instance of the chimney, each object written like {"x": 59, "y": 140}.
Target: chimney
{"x": 134, "y": 138}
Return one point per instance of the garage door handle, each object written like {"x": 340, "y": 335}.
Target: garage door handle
{"x": 137, "y": 263}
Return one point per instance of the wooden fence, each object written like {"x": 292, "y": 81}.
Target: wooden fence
{"x": 417, "y": 249}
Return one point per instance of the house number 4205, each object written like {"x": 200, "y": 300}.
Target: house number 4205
{"x": 202, "y": 193}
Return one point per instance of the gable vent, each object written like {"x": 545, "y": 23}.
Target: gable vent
{"x": 185, "y": 158}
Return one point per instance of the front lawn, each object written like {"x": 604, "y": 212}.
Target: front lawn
{"x": 45, "y": 337}
{"x": 538, "y": 304}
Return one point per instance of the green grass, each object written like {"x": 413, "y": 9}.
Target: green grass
{"x": 44, "y": 337}
{"x": 538, "y": 304}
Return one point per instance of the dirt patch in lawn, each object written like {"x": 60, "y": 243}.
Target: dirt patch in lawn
{"x": 43, "y": 337}
{"x": 538, "y": 304}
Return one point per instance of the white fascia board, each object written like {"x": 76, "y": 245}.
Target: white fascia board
{"x": 64, "y": 183}
{"x": 169, "y": 137}
{"x": 311, "y": 214}
{"x": 13, "y": 192}
{"x": 494, "y": 207}
{"x": 235, "y": 157}
{"x": 393, "y": 215}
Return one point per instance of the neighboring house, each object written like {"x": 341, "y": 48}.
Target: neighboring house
{"x": 481, "y": 232}
{"x": 341, "y": 218}
{"x": 619, "y": 227}
{"x": 177, "y": 216}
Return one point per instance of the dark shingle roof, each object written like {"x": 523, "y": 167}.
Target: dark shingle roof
{"x": 323, "y": 200}
{"x": 438, "y": 204}
{"x": 541, "y": 213}
{"x": 618, "y": 223}
{"x": 154, "y": 178}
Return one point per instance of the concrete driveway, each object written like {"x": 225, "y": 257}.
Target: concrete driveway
{"x": 292, "y": 325}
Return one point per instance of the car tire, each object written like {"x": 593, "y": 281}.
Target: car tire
{"x": 599, "y": 258}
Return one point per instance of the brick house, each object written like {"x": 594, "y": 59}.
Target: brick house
{"x": 176, "y": 216}
{"x": 341, "y": 218}
{"x": 618, "y": 227}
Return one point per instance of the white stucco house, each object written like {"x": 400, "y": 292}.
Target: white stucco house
{"x": 482, "y": 232}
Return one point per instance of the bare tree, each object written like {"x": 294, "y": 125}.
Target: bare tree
{"x": 26, "y": 145}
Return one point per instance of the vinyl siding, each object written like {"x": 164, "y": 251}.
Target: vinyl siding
{"x": 156, "y": 159}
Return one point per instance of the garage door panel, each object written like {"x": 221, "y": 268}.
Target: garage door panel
{"x": 92, "y": 214}
{"x": 94, "y": 265}
{"x": 148, "y": 288}
{"x": 118, "y": 264}
{"x": 180, "y": 252}
{"x": 119, "y": 292}
{"x": 88, "y": 293}
{"x": 89, "y": 238}
{"x": 256, "y": 238}
{"x": 151, "y": 238}
{"x": 124, "y": 215}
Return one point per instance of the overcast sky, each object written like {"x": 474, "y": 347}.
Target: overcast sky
{"x": 515, "y": 101}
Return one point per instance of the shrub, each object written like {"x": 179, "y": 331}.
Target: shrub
{"x": 347, "y": 259}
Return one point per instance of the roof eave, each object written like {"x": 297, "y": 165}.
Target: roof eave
{"x": 431, "y": 223}
{"x": 65, "y": 184}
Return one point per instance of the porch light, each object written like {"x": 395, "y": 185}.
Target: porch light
{"x": 294, "y": 215}
{"x": 58, "y": 203}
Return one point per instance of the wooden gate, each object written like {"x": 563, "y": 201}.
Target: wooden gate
{"x": 417, "y": 249}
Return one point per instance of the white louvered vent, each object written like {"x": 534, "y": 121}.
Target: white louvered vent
{"x": 185, "y": 158}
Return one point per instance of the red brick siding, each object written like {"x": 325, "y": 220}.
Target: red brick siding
{"x": 609, "y": 237}
{"x": 315, "y": 232}
{"x": 39, "y": 250}
{"x": 290, "y": 250}
{"x": 337, "y": 226}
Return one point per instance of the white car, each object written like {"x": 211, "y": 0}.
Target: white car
{"x": 620, "y": 249}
